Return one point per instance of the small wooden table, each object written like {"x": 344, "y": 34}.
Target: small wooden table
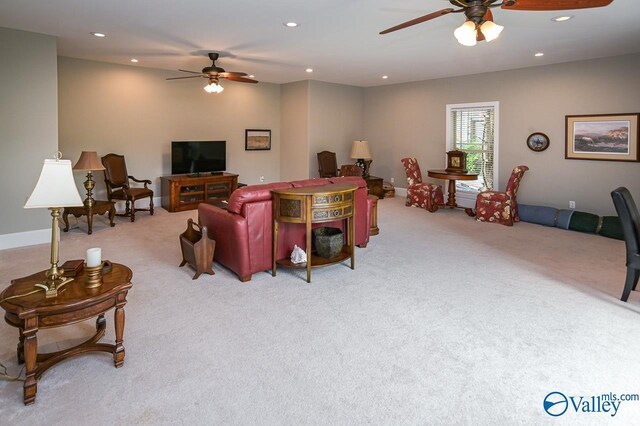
{"x": 452, "y": 177}
{"x": 315, "y": 204}
{"x": 73, "y": 304}
{"x": 99, "y": 208}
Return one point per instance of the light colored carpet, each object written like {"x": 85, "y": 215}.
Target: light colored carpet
{"x": 445, "y": 320}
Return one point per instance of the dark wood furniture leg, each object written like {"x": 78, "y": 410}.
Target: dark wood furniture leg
{"x": 118, "y": 316}
{"x": 30, "y": 355}
{"x": 65, "y": 218}
{"x": 112, "y": 214}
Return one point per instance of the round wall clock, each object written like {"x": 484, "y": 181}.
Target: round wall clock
{"x": 538, "y": 141}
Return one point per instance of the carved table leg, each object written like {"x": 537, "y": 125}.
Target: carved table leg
{"x": 451, "y": 199}
{"x": 275, "y": 248}
{"x": 30, "y": 354}
{"x": 21, "y": 347}
{"x": 65, "y": 218}
{"x": 112, "y": 214}
{"x": 118, "y": 352}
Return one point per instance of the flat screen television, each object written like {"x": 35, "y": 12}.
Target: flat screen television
{"x": 198, "y": 157}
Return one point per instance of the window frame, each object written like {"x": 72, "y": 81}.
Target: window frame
{"x": 467, "y": 198}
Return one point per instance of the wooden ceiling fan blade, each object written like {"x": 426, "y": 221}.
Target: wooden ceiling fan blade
{"x": 488, "y": 16}
{"x": 540, "y": 5}
{"x": 180, "y": 78}
{"x": 192, "y": 72}
{"x": 479, "y": 35}
{"x": 240, "y": 79}
{"x": 418, "y": 20}
{"x": 228, "y": 73}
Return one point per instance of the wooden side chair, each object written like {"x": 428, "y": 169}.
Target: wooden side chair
{"x": 327, "y": 164}
{"x": 501, "y": 207}
{"x": 630, "y": 221}
{"x": 118, "y": 188}
{"x": 350, "y": 170}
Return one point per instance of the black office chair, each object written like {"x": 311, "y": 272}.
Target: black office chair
{"x": 630, "y": 220}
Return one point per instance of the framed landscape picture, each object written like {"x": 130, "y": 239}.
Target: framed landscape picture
{"x": 257, "y": 140}
{"x": 611, "y": 137}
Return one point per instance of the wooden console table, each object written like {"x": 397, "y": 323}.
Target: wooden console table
{"x": 98, "y": 207}
{"x": 180, "y": 193}
{"x": 315, "y": 204}
{"x": 73, "y": 304}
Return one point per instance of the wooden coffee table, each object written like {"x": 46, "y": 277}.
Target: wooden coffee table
{"x": 74, "y": 303}
{"x": 99, "y": 208}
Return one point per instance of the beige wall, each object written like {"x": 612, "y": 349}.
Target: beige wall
{"x": 409, "y": 120}
{"x": 134, "y": 111}
{"x": 336, "y": 117}
{"x": 295, "y": 130}
{"x": 28, "y": 124}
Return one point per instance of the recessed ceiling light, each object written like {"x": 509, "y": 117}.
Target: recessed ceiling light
{"x": 384, "y": 77}
{"x": 252, "y": 76}
{"x": 290, "y": 24}
{"x": 99, "y": 34}
{"x": 309, "y": 70}
{"x": 562, "y": 18}
{"x": 539, "y": 54}
{"x": 134, "y": 60}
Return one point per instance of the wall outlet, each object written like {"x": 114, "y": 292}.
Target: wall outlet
{"x": 572, "y": 204}
{"x": 392, "y": 181}
{"x": 262, "y": 180}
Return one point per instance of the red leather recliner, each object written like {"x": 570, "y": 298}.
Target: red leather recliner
{"x": 244, "y": 231}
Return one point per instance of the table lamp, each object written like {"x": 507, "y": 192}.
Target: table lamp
{"x": 55, "y": 189}
{"x": 360, "y": 152}
{"x": 89, "y": 161}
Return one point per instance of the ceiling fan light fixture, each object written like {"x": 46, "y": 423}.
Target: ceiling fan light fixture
{"x": 491, "y": 30}
{"x": 466, "y": 34}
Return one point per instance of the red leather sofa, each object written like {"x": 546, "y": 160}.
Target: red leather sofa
{"x": 243, "y": 231}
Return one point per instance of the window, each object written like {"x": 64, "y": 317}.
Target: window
{"x": 473, "y": 128}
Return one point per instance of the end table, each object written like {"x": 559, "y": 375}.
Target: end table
{"x": 374, "y": 185}
{"x": 74, "y": 303}
{"x": 99, "y": 208}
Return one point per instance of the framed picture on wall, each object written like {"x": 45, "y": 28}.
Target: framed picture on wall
{"x": 257, "y": 140}
{"x": 609, "y": 137}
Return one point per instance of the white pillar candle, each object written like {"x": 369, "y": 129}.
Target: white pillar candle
{"x": 94, "y": 257}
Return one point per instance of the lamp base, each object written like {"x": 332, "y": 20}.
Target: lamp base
{"x": 52, "y": 285}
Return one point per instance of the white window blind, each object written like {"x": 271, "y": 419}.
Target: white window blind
{"x": 472, "y": 129}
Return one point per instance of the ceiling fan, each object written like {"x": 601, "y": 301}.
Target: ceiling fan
{"x": 214, "y": 73}
{"x": 479, "y": 24}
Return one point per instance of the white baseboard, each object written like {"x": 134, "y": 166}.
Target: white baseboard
{"x": 401, "y": 192}
{"x": 464, "y": 199}
{"x": 27, "y": 238}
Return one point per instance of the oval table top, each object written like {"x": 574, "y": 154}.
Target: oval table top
{"x": 443, "y": 174}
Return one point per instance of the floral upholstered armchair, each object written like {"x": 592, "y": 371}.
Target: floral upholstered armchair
{"x": 501, "y": 207}
{"x": 421, "y": 194}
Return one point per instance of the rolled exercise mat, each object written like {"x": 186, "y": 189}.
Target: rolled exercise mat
{"x": 538, "y": 214}
{"x": 611, "y": 228}
{"x": 584, "y": 222}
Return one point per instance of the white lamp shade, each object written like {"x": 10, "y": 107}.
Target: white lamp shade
{"x": 360, "y": 149}
{"x": 466, "y": 34}
{"x": 491, "y": 30}
{"x": 55, "y": 187}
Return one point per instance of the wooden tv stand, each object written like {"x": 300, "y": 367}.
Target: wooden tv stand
{"x": 183, "y": 192}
